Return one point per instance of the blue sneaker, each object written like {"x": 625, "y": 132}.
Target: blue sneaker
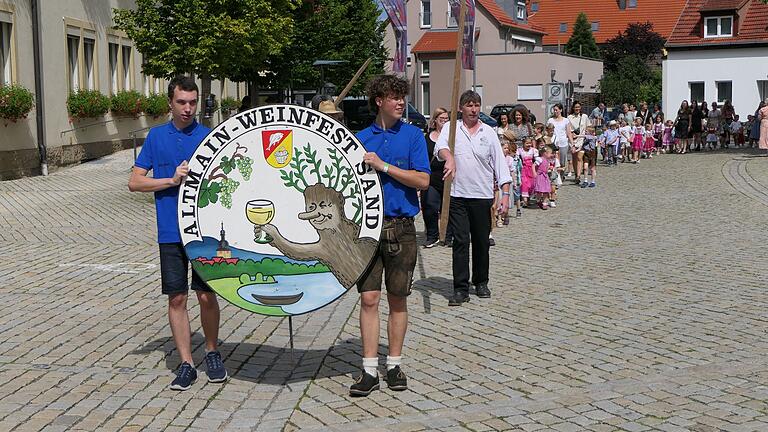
{"x": 592, "y": 184}
{"x": 583, "y": 185}
{"x": 186, "y": 375}
{"x": 216, "y": 371}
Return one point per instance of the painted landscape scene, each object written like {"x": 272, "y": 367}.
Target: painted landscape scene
{"x": 265, "y": 284}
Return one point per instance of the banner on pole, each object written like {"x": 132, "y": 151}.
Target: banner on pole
{"x": 468, "y": 39}
{"x": 396, "y": 12}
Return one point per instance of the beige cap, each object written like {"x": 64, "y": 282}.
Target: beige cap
{"x": 328, "y": 107}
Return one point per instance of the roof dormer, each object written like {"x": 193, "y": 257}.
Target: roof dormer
{"x": 719, "y": 17}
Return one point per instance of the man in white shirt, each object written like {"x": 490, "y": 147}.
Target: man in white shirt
{"x": 477, "y": 160}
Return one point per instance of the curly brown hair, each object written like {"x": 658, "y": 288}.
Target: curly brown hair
{"x": 522, "y": 111}
{"x": 382, "y": 86}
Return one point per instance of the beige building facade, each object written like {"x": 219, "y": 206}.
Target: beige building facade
{"x": 79, "y": 49}
{"x": 511, "y": 66}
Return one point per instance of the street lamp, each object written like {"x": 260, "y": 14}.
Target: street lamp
{"x": 210, "y": 106}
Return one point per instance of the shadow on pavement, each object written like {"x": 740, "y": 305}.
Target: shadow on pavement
{"x": 266, "y": 364}
{"x": 433, "y": 285}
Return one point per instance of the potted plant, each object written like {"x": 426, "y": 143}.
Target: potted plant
{"x": 156, "y": 105}
{"x": 15, "y": 102}
{"x": 87, "y": 103}
{"x": 128, "y": 103}
{"x": 229, "y": 104}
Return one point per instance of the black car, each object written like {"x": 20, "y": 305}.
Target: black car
{"x": 485, "y": 118}
{"x": 508, "y": 108}
{"x": 358, "y": 115}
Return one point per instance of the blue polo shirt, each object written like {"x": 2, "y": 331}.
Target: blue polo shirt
{"x": 164, "y": 149}
{"x": 402, "y": 146}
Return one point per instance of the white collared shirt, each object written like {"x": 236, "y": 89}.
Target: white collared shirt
{"x": 479, "y": 159}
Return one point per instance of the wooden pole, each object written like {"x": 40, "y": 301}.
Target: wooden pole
{"x": 352, "y": 82}
{"x": 454, "y": 114}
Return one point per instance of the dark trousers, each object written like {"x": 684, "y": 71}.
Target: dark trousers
{"x": 470, "y": 220}
{"x": 431, "y": 205}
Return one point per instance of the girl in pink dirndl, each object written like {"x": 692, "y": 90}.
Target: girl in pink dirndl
{"x": 527, "y": 155}
{"x": 542, "y": 184}
{"x": 638, "y": 140}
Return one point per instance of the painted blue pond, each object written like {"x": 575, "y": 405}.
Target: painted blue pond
{"x": 319, "y": 289}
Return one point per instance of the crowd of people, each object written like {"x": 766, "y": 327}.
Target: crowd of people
{"x": 542, "y": 156}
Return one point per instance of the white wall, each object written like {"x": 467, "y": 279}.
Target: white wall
{"x": 744, "y": 67}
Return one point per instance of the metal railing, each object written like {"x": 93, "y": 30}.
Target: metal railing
{"x": 133, "y": 136}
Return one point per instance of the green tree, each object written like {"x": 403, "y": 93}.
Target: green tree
{"x": 331, "y": 30}
{"x": 582, "y": 42}
{"x": 213, "y": 38}
{"x": 636, "y": 40}
{"x": 633, "y": 81}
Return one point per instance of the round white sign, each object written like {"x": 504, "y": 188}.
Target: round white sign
{"x": 279, "y": 215}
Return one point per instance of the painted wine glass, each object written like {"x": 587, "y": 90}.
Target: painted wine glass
{"x": 260, "y": 212}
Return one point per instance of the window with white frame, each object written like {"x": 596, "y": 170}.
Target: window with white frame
{"x": 5, "y": 53}
{"x": 408, "y": 58}
{"x": 453, "y": 20}
{"x": 73, "y": 51}
{"x": 82, "y": 64}
{"x": 152, "y": 85}
{"x": 697, "y": 91}
{"x": 718, "y": 26}
{"x": 89, "y": 77}
{"x": 426, "y": 14}
{"x": 595, "y": 26}
{"x": 126, "y": 67}
{"x": 114, "y": 68}
{"x": 425, "y": 68}
{"x": 762, "y": 89}
{"x": 530, "y": 92}
{"x": 563, "y": 27}
{"x": 724, "y": 90}
{"x": 425, "y": 98}
{"x": 521, "y": 11}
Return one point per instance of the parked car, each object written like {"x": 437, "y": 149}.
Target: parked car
{"x": 358, "y": 115}
{"x": 485, "y": 118}
{"x": 508, "y": 108}
{"x": 502, "y": 109}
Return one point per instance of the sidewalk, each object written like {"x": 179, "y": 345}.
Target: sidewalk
{"x": 639, "y": 305}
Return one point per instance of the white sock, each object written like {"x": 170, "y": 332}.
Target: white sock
{"x": 371, "y": 366}
{"x": 393, "y": 361}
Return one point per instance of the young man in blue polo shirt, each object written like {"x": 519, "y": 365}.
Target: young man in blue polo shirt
{"x": 398, "y": 152}
{"x": 165, "y": 152}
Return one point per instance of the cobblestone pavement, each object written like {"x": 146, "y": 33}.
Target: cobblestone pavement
{"x": 638, "y": 305}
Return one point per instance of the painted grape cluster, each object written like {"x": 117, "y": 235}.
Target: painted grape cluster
{"x": 219, "y": 186}
{"x": 245, "y": 166}
{"x": 228, "y": 186}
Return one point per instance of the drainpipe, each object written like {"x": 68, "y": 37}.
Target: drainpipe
{"x": 37, "y": 54}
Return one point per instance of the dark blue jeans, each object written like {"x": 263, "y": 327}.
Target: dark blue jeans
{"x": 431, "y": 205}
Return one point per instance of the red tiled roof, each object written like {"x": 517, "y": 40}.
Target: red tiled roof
{"x": 662, "y": 13}
{"x": 501, "y": 16}
{"x": 436, "y": 42}
{"x": 716, "y": 5}
{"x": 751, "y": 28}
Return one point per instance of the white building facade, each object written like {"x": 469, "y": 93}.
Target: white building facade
{"x": 714, "y": 75}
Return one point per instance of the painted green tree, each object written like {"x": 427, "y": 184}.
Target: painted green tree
{"x": 348, "y": 30}
{"x": 307, "y": 169}
{"x": 582, "y": 41}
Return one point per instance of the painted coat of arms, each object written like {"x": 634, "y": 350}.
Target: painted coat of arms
{"x": 279, "y": 215}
